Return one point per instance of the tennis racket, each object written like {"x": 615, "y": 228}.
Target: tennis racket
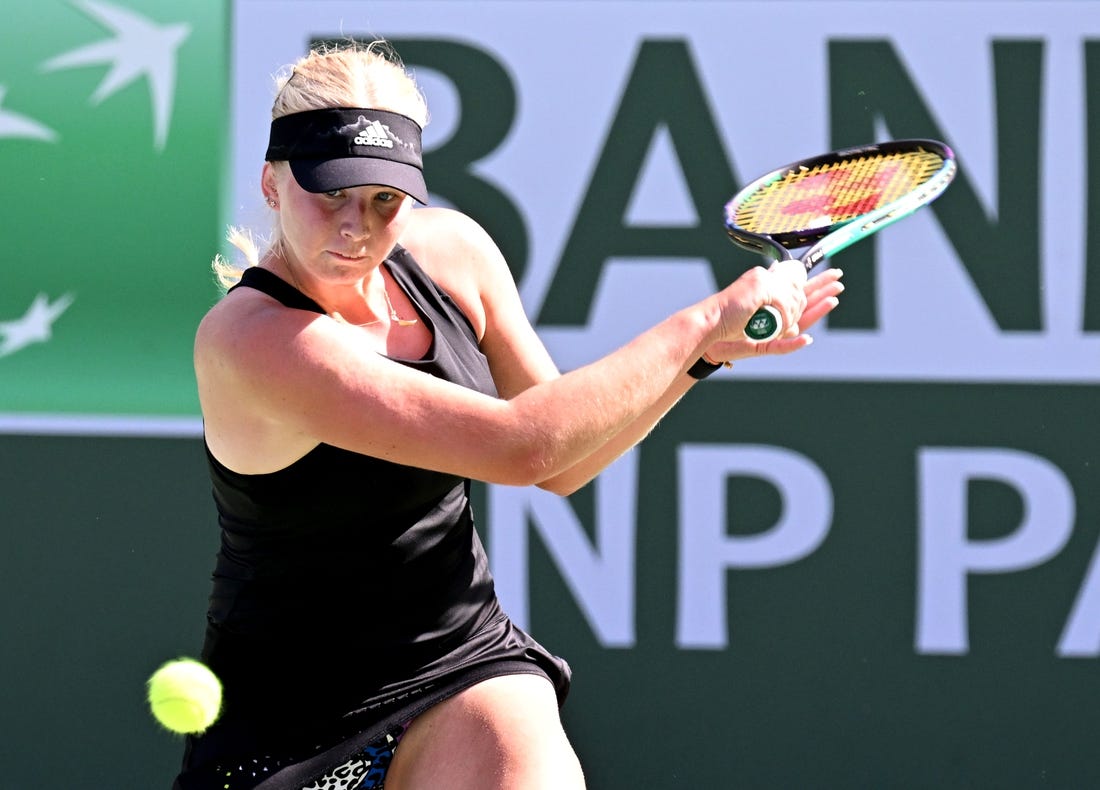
{"x": 831, "y": 201}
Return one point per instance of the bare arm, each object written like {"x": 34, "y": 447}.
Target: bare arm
{"x": 306, "y": 378}
{"x": 520, "y": 361}
{"x": 821, "y": 293}
{"x": 279, "y": 381}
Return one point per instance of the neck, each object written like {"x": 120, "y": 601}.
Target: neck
{"x": 361, "y": 300}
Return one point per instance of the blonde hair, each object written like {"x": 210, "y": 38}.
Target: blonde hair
{"x": 353, "y": 74}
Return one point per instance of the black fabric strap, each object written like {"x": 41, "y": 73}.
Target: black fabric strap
{"x": 701, "y": 369}
{"x": 277, "y": 288}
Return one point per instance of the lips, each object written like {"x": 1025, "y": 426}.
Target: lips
{"x": 344, "y": 257}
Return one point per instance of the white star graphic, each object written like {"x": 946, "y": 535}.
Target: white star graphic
{"x": 35, "y": 326}
{"x": 139, "y": 48}
{"x": 12, "y": 124}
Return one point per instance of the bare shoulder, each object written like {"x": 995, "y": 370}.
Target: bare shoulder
{"x": 448, "y": 243}
{"x": 250, "y": 339}
{"x": 230, "y": 324}
{"x": 238, "y": 322}
{"x": 215, "y": 331}
{"x": 433, "y": 229}
{"x": 460, "y": 256}
{"x": 246, "y": 349}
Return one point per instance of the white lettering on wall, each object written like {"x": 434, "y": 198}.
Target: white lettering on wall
{"x": 707, "y": 552}
{"x": 601, "y": 577}
{"x": 947, "y": 557}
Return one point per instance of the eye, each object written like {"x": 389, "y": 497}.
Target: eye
{"x": 333, "y": 193}
{"x": 386, "y": 196}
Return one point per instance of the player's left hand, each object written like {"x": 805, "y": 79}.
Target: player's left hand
{"x": 822, "y": 296}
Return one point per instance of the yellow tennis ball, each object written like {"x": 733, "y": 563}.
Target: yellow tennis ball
{"x": 185, "y": 696}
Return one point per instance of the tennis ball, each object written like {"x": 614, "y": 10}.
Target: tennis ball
{"x": 185, "y": 696}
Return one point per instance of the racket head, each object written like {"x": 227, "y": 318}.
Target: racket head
{"x": 858, "y": 189}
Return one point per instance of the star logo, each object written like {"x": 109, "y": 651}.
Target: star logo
{"x": 140, "y": 48}
{"x": 135, "y": 49}
{"x": 36, "y": 325}
{"x": 12, "y": 124}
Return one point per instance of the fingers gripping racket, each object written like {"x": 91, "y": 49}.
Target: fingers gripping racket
{"x": 832, "y": 201}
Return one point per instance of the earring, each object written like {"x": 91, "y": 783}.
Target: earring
{"x": 271, "y": 202}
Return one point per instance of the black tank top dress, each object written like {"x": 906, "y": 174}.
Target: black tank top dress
{"x": 349, "y": 593}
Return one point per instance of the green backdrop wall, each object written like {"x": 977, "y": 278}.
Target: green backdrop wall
{"x": 109, "y": 542}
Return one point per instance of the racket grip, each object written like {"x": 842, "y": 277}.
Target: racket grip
{"x": 765, "y": 324}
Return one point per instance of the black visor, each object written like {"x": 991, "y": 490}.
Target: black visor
{"x": 346, "y": 147}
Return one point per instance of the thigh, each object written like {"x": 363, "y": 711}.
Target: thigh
{"x": 501, "y": 734}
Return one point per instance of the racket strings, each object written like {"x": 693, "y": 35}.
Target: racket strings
{"x": 836, "y": 192}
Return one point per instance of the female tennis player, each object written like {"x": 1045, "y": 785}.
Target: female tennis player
{"x": 364, "y": 367}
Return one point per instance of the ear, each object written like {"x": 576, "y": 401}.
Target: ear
{"x": 268, "y": 182}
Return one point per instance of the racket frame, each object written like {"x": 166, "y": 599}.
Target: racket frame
{"x": 831, "y": 239}
{"x": 828, "y": 240}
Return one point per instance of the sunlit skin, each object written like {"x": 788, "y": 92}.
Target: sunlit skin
{"x": 274, "y": 383}
{"x": 335, "y": 241}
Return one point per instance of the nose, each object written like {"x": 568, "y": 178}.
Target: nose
{"x": 355, "y": 220}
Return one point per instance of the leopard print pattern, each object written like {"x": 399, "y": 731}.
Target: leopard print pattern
{"x": 364, "y": 771}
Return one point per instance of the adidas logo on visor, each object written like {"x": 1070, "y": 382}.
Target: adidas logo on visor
{"x": 374, "y": 134}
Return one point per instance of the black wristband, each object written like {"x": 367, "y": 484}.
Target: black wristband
{"x": 701, "y": 369}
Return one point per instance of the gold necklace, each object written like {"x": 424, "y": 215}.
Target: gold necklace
{"x": 393, "y": 313}
{"x": 394, "y": 317}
